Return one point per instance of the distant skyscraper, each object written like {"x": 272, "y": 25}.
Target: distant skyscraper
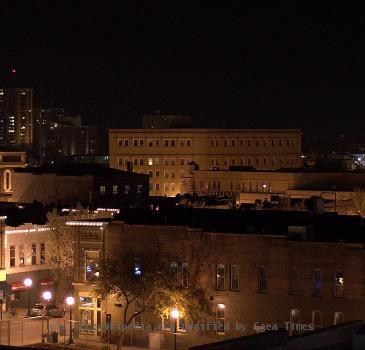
{"x": 16, "y": 116}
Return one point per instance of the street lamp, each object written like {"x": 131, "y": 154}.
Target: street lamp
{"x": 47, "y": 295}
{"x": 70, "y": 301}
{"x": 175, "y": 315}
{"x": 28, "y": 283}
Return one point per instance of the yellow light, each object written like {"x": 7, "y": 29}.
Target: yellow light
{"x": 175, "y": 313}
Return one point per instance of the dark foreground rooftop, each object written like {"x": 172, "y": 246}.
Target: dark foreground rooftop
{"x": 297, "y": 225}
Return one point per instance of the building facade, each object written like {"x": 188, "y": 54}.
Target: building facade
{"x": 253, "y": 282}
{"x": 16, "y": 116}
{"x": 165, "y": 154}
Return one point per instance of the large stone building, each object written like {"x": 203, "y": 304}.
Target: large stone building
{"x": 165, "y": 154}
{"x": 16, "y": 116}
{"x": 301, "y": 272}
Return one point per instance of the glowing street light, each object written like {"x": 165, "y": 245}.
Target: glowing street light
{"x": 47, "y": 295}
{"x": 28, "y": 283}
{"x": 175, "y": 315}
{"x": 70, "y": 301}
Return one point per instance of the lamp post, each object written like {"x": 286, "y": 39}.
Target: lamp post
{"x": 28, "y": 283}
{"x": 47, "y": 295}
{"x": 70, "y": 301}
{"x": 175, "y": 315}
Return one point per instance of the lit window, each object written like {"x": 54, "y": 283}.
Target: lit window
{"x": 21, "y": 255}
{"x": 139, "y": 188}
{"x": 150, "y": 161}
{"x": 137, "y": 267}
{"x": 43, "y": 253}
{"x": 173, "y": 271}
{"x": 339, "y": 283}
{"x": 220, "y": 318}
{"x": 12, "y": 255}
{"x": 220, "y": 277}
{"x": 339, "y": 318}
{"x": 115, "y": 189}
{"x": 102, "y": 190}
{"x": 91, "y": 265}
{"x": 34, "y": 254}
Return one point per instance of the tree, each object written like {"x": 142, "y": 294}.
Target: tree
{"x": 60, "y": 254}
{"x": 145, "y": 280}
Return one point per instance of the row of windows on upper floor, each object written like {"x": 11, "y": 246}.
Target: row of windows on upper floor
{"x": 17, "y": 255}
{"x": 212, "y": 142}
{"x": 212, "y": 161}
{"x": 115, "y": 189}
{"x": 294, "y": 283}
{"x": 154, "y": 143}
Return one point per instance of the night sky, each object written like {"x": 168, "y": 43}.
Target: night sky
{"x": 244, "y": 65}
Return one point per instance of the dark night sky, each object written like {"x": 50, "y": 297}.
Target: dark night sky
{"x": 244, "y": 65}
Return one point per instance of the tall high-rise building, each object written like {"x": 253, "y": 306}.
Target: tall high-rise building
{"x": 16, "y": 116}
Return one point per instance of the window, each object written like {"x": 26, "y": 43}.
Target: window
{"x": 127, "y": 189}
{"x": 12, "y": 255}
{"x": 339, "y": 318}
{"x": 157, "y": 173}
{"x": 166, "y": 174}
{"x": 249, "y": 161}
{"x": 294, "y": 326}
{"x": 21, "y": 255}
{"x": 157, "y": 186}
{"x": 317, "y": 281}
{"x": 91, "y": 265}
{"x": 43, "y": 253}
{"x": 150, "y": 143}
{"x": 141, "y": 142}
{"x": 150, "y": 161}
{"x": 272, "y": 143}
{"x": 242, "y": 161}
{"x": 173, "y": 271}
{"x": 262, "y": 279}
{"x": 233, "y": 143}
{"x": 120, "y": 161}
{"x": 280, "y": 143}
{"x": 235, "y": 282}
{"x": 182, "y": 143}
{"x": 166, "y": 321}
{"x": 150, "y": 173}
{"x": 182, "y": 161}
{"x": 157, "y": 161}
{"x": 226, "y": 143}
{"x": 339, "y": 282}
{"x": 257, "y": 161}
{"x": 220, "y": 318}
{"x": 188, "y": 143}
{"x": 135, "y": 161}
{"x": 212, "y": 143}
{"x": 172, "y": 188}
{"x": 126, "y": 143}
{"x": 172, "y": 174}
{"x": 316, "y": 319}
{"x": 220, "y": 277}
{"x": 181, "y": 324}
{"x": 115, "y": 190}
{"x": 287, "y": 143}
{"x": 172, "y": 161}
{"x": 157, "y": 143}
{"x": 135, "y": 143}
{"x": 120, "y": 143}
{"x": 137, "y": 267}
{"x": 102, "y": 190}
{"x": 257, "y": 143}
{"x": 172, "y": 143}
{"x": 166, "y": 143}
{"x": 140, "y": 161}
{"x": 34, "y": 254}
{"x": 294, "y": 281}
{"x": 216, "y": 143}
{"x": 7, "y": 179}
{"x": 166, "y": 161}
{"x": 185, "y": 275}
{"x": 139, "y": 188}
{"x": 248, "y": 143}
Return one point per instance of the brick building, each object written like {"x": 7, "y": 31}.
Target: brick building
{"x": 259, "y": 272}
{"x": 164, "y": 154}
